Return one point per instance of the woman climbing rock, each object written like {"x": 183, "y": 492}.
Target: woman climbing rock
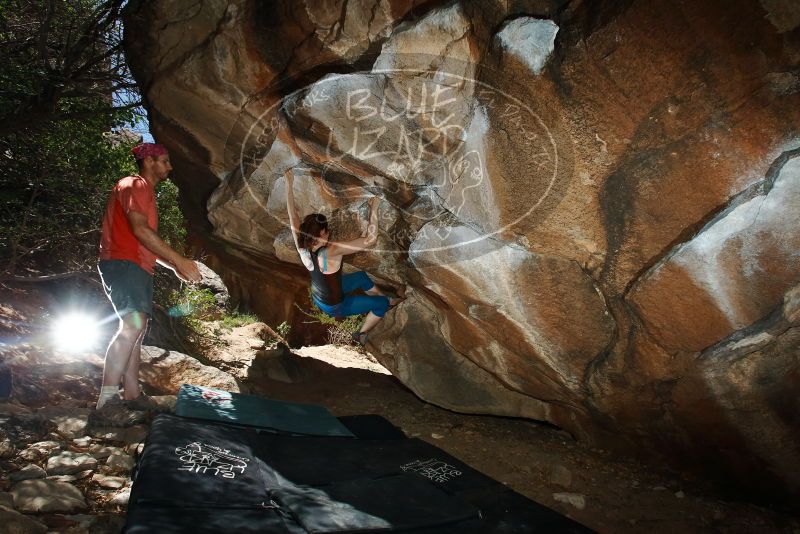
{"x": 330, "y": 289}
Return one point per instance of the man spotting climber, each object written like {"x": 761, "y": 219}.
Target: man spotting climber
{"x": 129, "y": 249}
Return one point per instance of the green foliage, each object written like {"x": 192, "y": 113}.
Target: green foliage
{"x": 342, "y": 332}
{"x": 172, "y": 230}
{"x": 339, "y": 330}
{"x": 200, "y": 319}
{"x": 350, "y": 324}
{"x": 320, "y": 316}
{"x": 55, "y": 185}
{"x": 188, "y": 310}
{"x": 65, "y": 97}
{"x": 61, "y": 60}
{"x": 284, "y": 329}
{"x": 171, "y": 224}
{"x": 236, "y": 319}
{"x": 195, "y": 303}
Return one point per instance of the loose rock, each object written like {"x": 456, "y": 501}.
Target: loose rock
{"x": 131, "y": 434}
{"x": 47, "y": 496}
{"x": 84, "y": 474}
{"x": 29, "y": 472}
{"x": 63, "y": 478}
{"x": 39, "y": 450}
{"x": 575, "y": 499}
{"x": 135, "y": 449}
{"x": 109, "y": 482}
{"x": 101, "y": 452}
{"x": 120, "y": 462}
{"x": 69, "y": 463}
{"x": 167, "y": 370}
{"x": 6, "y": 448}
{"x": 122, "y": 498}
{"x": 85, "y": 441}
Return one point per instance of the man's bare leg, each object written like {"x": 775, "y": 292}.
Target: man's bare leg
{"x": 120, "y": 350}
{"x": 130, "y": 380}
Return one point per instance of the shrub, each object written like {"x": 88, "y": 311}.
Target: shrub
{"x": 194, "y": 304}
{"x": 284, "y": 329}
{"x": 340, "y": 331}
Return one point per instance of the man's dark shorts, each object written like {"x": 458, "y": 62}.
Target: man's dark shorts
{"x": 128, "y": 286}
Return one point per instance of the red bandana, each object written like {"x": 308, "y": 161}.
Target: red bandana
{"x": 148, "y": 149}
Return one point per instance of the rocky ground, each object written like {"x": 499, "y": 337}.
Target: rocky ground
{"x": 60, "y": 474}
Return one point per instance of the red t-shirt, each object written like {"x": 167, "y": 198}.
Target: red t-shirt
{"x": 117, "y": 242}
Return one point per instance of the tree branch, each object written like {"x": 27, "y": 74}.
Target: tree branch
{"x": 86, "y": 275}
{"x": 33, "y": 121}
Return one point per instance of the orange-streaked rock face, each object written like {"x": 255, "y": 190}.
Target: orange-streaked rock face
{"x": 595, "y": 208}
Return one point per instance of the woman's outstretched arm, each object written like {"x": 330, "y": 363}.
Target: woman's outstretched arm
{"x": 294, "y": 217}
{"x": 362, "y": 243}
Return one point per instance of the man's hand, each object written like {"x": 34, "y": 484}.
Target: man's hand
{"x": 186, "y": 269}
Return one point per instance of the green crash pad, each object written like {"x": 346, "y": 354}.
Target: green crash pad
{"x": 218, "y": 405}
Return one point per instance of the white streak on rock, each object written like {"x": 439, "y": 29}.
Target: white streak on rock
{"x": 700, "y": 256}
{"x": 530, "y": 40}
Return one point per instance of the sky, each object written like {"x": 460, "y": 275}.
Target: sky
{"x": 142, "y": 126}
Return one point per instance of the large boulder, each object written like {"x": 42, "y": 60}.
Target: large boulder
{"x": 165, "y": 371}
{"x": 593, "y": 206}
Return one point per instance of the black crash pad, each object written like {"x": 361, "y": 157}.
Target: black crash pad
{"x": 371, "y": 426}
{"x": 150, "y": 519}
{"x": 400, "y": 502}
{"x": 322, "y": 483}
{"x": 317, "y": 462}
{"x": 192, "y": 464}
{"x": 188, "y": 463}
